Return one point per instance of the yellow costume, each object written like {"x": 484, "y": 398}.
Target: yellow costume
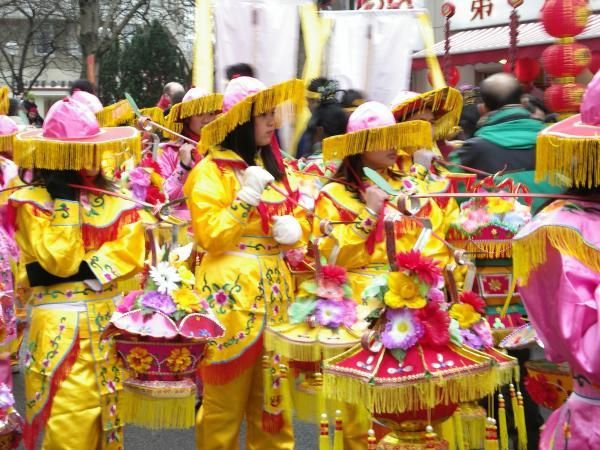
{"x": 247, "y": 284}
{"x": 71, "y": 376}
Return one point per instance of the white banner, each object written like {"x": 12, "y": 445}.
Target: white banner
{"x": 488, "y": 13}
{"x": 371, "y": 51}
{"x": 262, "y": 33}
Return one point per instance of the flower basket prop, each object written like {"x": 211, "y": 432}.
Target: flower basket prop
{"x": 11, "y": 423}
{"x": 485, "y": 228}
{"x": 548, "y": 384}
{"x": 161, "y": 334}
{"x": 411, "y": 369}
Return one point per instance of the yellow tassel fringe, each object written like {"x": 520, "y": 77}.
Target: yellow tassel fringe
{"x": 158, "y": 413}
{"x": 4, "y": 101}
{"x": 202, "y": 105}
{"x": 291, "y": 91}
{"x": 402, "y": 137}
{"x": 6, "y": 142}
{"x": 568, "y": 161}
{"x": 473, "y": 418}
{"x": 72, "y": 155}
{"x": 458, "y": 427}
{"x": 117, "y": 114}
{"x": 529, "y": 252}
{"x": 486, "y": 249}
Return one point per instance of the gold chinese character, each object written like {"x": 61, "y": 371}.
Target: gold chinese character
{"x": 481, "y": 8}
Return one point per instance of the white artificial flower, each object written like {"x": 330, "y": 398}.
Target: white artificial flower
{"x": 165, "y": 276}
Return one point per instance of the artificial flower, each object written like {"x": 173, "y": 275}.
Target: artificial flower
{"x": 187, "y": 277}
{"x": 6, "y": 397}
{"x": 482, "y": 328}
{"x": 464, "y": 314}
{"x": 329, "y": 289}
{"x": 300, "y": 310}
{"x": 155, "y": 196}
{"x": 139, "y": 359}
{"x": 454, "y": 332}
{"x": 186, "y": 300}
{"x": 479, "y": 216}
{"x": 435, "y": 323}
{"x": 426, "y": 269}
{"x": 159, "y": 302}
{"x": 127, "y": 302}
{"x": 179, "y": 359}
{"x": 471, "y": 339}
{"x": 330, "y": 313}
{"x": 470, "y": 298}
{"x": 497, "y": 205}
{"x": 150, "y": 163}
{"x": 336, "y": 274}
{"x": 165, "y": 276}
{"x": 403, "y": 292}
{"x": 295, "y": 257}
{"x": 470, "y": 226}
{"x": 402, "y": 329}
{"x": 541, "y": 391}
{"x": 350, "y": 312}
{"x": 436, "y": 295}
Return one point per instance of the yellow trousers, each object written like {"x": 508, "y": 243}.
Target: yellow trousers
{"x": 225, "y": 406}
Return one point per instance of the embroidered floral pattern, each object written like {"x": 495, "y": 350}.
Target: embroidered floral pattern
{"x": 179, "y": 359}
{"x": 139, "y": 359}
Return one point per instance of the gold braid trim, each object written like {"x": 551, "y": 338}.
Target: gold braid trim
{"x": 6, "y": 142}
{"x": 117, "y": 114}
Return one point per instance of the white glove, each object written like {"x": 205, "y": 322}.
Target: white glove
{"x": 286, "y": 230}
{"x": 424, "y": 157}
{"x": 254, "y": 182}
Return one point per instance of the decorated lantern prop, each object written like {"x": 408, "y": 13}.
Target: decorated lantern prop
{"x": 484, "y": 228}
{"x": 410, "y": 369}
{"x": 563, "y": 61}
{"x": 11, "y": 423}
{"x": 161, "y": 335}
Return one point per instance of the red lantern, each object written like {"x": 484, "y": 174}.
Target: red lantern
{"x": 595, "y": 62}
{"x": 453, "y": 76}
{"x": 564, "y": 98}
{"x": 526, "y": 69}
{"x": 448, "y": 10}
{"x": 565, "y": 18}
{"x": 565, "y": 60}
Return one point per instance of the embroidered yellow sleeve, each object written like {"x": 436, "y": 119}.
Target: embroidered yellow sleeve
{"x": 119, "y": 258}
{"x": 351, "y": 238}
{"x": 53, "y": 240}
{"x": 218, "y": 218}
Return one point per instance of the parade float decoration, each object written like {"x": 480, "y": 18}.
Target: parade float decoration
{"x": 411, "y": 369}
{"x": 11, "y": 423}
{"x": 485, "y": 228}
{"x": 161, "y": 334}
{"x": 564, "y": 60}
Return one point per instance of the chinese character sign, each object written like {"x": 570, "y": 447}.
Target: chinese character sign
{"x": 481, "y": 9}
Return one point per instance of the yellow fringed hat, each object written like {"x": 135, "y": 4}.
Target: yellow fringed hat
{"x": 71, "y": 139}
{"x": 247, "y": 97}
{"x": 195, "y": 102}
{"x": 372, "y": 128}
{"x": 445, "y": 104}
{"x": 4, "y": 102}
{"x": 8, "y": 130}
{"x": 568, "y": 152}
{"x": 117, "y": 114}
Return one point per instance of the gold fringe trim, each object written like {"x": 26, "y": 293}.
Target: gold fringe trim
{"x": 201, "y": 105}
{"x": 4, "y": 101}
{"x": 486, "y": 249}
{"x": 158, "y": 413}
{"x": 291, "y": 92}
{"x": 447, "y": 100}
{"x": 302, "y": 351}
{"x": 155, "y": 114}
{"x": 402, "y": 137}
{"x": 75, "y": 155}
{"x": 473, "y": 419}
{"x": 569, "y": 162}
{"x": 117, "y": 114}
{"x": 529, "y": 252}
{"x": 6, "y": 142}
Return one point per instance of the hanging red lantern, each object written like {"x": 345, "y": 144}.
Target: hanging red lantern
{"x": 452, "y": 78}
{"x": 526, "y": 69}
{"x": 565, "y": 18}
{"x": 594, "y": 65}
{"x": 564, "y": 98}
{"x": 565, "y": 60}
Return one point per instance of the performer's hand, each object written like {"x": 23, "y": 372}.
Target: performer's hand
{"x": 424, "y": 157}
{"x": 185, "y": 154}
{"x": 374, "y": 198}
{"x": 286, "y": 230}
{"x": 254, "y": 182}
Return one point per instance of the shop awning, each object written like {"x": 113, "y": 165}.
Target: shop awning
{"x": 491, "y": 44}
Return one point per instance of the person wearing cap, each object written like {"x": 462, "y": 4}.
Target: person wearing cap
{"x": 75, "y": 245}
{"x": 178, "y": 157}
{"x": 557, "y": 263}
{"x": 244, "y": 212}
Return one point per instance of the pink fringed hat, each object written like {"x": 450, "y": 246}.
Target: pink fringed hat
{"x": 71, "y": 139}
{"x": 195, "y": 102}
{"x": 8, "y": 130}
{"x": 372, "y": 128}
{"x": 88, "y": 100}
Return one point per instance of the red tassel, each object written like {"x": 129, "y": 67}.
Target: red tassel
{"x": 94, "y": 237}
{"x": 223, "y": 373}
{"x": 378, "y": 233}
{"x": 272, "y": 423}
{"x": 32, "y": 430}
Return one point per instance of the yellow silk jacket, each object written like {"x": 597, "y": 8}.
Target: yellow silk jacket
{"x": 242, "y": 274}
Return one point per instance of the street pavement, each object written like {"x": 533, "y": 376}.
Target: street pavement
{"x": 142, "y": 439}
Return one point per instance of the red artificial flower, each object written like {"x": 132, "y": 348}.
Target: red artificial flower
{"x": 470, "y": 298}
{"x": 149, "y": 163}
{"x": 541, "y": 391}
{"x": 427, "y": 269}
{"x": 154, "y": 195}
{"x": 436, "y": 323}
{"x": 335, "y": 274}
